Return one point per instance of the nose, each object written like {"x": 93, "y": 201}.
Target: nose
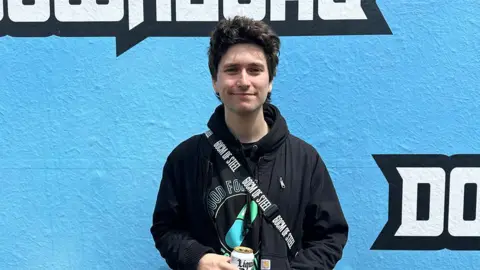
{"x": 243, "y": 80}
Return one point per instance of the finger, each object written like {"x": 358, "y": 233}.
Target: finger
{"x": 227, "y": 266}
{"x": 225, "y": 258}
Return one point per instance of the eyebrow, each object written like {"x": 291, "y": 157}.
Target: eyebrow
{"x": 255, "y": 64}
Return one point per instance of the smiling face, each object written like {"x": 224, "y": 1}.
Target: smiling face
{"x": 242, "y": 79}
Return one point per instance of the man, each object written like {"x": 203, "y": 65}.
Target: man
{"x": 204, "y": 210}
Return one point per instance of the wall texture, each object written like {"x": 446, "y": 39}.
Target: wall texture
{"x": 84, "y": 133}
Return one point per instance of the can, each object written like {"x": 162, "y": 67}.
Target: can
{"x": 243, "y": 258}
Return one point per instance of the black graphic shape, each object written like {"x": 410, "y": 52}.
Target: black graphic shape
{"x": 375, "y": 24}
{"x": 387, "y": 240}
{"x": 423, "y": 201}
{"x": 469, "y": 202}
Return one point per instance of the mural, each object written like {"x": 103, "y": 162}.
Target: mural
{"x": 94, "y": 94}
{"x": 132, "y": 21}
{"x": 434, "y": 202}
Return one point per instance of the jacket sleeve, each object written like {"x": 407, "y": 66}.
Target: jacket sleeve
{"x": 325, "y": 228}
{"x": 169, "y": 229}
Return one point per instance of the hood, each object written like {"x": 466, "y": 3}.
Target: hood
{"x": 269, "y": 143}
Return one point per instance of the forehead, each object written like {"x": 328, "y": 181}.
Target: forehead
{"x": 244, "y": 54}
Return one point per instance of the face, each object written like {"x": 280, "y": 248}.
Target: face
{"x": 242, "y": 79}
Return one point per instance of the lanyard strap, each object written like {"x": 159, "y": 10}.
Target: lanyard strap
{"x": 270, "y": 211}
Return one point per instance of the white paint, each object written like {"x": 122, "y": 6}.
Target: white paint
{"x": 256, "y": 9}
{"x": 18, "y": 12}
{"x": 457, "y": 226}
{"x": 1, "y": 10}
{"x": 89, "y": 11}
{"x": 410, "y": 226}
{"x": 164, "y": 10}
{"x": 135, "y": 13}
{"x": 278, "y": 10}
{"x": 186, "y": 11}
{"x": 350, "y": 10}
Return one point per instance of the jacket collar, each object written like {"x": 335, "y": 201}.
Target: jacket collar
{"x": 277, "y": 134}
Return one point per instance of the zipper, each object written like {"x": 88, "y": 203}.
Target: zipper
{"x": 205, "y": 193}
{"x": 257, "y": 168}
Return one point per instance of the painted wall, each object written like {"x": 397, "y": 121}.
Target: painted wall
{"x": 84, "y": 133}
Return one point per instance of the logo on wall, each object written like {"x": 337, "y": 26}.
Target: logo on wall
{"x": 131, "y": 21}
{"x": 433, "y": 202}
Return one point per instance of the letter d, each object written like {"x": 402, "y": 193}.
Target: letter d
{"x": 410, "y": 226}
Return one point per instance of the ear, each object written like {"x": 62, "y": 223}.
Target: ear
{"x": 270, "y": 85}
{"x": 214, "y": 84}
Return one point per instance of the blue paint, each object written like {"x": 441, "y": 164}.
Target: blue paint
{"x": 84, "y": 135}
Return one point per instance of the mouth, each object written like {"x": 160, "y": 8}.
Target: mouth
{"x": 242, "y": 94}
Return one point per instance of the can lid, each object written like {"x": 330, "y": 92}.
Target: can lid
{"x": 243, "y": 249}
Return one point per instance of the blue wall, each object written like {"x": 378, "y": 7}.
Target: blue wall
{"x": 84, "y": 134}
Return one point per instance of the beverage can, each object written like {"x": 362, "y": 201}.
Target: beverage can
{"x": 243, "y": 258}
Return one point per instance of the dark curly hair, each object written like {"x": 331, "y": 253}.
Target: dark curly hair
{"x": 241, "y": 29}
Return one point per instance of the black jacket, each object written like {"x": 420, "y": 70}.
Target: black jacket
{"x": 183, "y": 231}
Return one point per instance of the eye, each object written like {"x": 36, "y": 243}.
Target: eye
{"x": 255, "y": 70}
{"x": 230, "y": 69}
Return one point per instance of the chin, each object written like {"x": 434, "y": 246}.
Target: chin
{"x": 243, "y": 109}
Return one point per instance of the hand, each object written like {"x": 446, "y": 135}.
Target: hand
{"x": 212, "y": 261}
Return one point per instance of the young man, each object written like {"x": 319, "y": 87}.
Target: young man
{"x": 206, "y": 206}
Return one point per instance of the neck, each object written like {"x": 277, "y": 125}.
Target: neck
{"x": 247, "y": 128}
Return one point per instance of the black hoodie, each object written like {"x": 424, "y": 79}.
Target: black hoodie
{"x": 289, "y": 171}
{"x": 226, "y": 196}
